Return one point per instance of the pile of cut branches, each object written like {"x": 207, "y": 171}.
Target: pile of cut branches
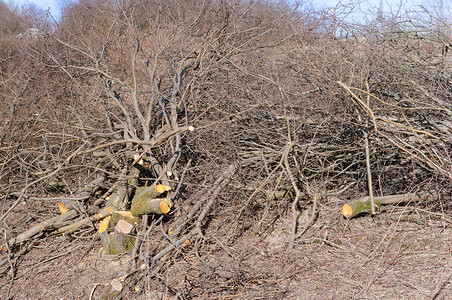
{"x": 133, "y": 118}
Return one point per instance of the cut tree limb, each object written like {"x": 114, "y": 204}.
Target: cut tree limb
{"x": 149, "y": 200}
{"x": 59, "y": 224}
{"x": 363, "y": 205}
{"x": 74, "y": 226}
{"x": 151, "y": 206}
{"x": 62, "y": 220}
{"x": 119, "y": 198}
{"x": 50, "y": 224}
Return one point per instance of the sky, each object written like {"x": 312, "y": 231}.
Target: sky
{"x": 55, "y": 5}
{"x": 371, "y": 5}
{"x": 52, "y": 5}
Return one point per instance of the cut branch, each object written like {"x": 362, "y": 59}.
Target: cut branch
{"x": 363, "y": 205}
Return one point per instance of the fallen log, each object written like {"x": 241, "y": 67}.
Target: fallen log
{"x": 363, "y": 205}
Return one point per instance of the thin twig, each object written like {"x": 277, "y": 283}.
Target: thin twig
{"x": 297, "y": 194}
{"x": 181, "y": 180}
{"x": 311, "y": 218}
{"x": 366, "y": 146}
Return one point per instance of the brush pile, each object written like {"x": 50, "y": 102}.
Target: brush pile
{"x": 191, "y": 114}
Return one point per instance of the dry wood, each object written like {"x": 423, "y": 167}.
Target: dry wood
{"x": 366, "y": 146}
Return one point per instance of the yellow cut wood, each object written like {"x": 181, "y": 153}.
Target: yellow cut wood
{"x": 62, "y": 208}
{"x": 164, "y": 206}
{"x": 160, "y": 188}
{"x": 103, "y": 225}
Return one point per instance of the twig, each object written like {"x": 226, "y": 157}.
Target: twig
{"x": 181, "y": 180}
{"x": 210, "y": 266}
{"x": 11, "y": 273}
{"x": 297, "y": 194}
{"x": 73, "y": 250}
{"x": 218, "y": 185}
{"x": 442, "y": 286}
{"x": 311, "y": 218}
{"x": 360, "y": 103}
{"x": 366, "y": 146}
{"x": 285, "y": 161}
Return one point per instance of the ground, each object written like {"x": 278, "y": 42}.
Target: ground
{"x": 401, "y": 253}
